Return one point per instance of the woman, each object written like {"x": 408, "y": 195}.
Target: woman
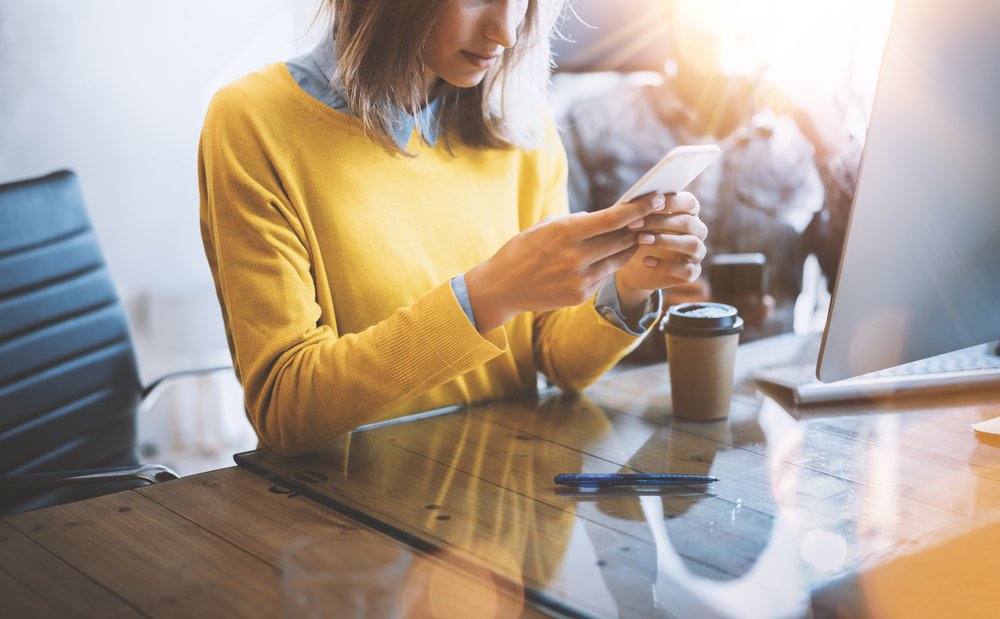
{"x": 385, "y": 220}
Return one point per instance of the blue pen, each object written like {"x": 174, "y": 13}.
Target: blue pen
{"x": 606, "y": 481}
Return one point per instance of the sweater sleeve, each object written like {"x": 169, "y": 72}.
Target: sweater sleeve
{"x": 573, "y": 346}
{"x": 304, "y": 383}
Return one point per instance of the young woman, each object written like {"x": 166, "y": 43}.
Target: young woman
{"x": 385, "y": 219}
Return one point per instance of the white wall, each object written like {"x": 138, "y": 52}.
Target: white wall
{"x": 117, "y": 90}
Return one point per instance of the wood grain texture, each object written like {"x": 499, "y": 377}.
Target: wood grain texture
{"x": 154, "y": 560}
{"x": 226, "y": 522}
{"x": 249, "y": 512}
{"x": 263, "y": 518}
{"x": 35, "y": 582}
{"x": 20, "y": 601}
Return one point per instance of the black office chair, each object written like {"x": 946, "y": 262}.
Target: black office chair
{"x": 69, "y": 385}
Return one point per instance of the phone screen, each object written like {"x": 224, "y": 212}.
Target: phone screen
{"x": 674, "y": 172}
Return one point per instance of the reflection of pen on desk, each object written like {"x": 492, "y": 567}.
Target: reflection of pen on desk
{"x": 605, "y": 481}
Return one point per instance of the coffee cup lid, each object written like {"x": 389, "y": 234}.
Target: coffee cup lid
{"x": 702, "y": 320}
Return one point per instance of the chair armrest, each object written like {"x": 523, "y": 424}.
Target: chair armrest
{"x": 151, "y": 392}
{"x": 149, "y": 473}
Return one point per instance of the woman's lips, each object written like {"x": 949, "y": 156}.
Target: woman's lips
{"x": 480, "y": 62}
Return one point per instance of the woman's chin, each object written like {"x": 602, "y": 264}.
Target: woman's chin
{"x": 465, "y": 79}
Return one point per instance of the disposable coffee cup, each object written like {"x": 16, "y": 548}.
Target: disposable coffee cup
{"x": 701, "y": 352}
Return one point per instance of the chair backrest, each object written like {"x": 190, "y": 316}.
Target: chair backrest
{"x": 69, "y": 385}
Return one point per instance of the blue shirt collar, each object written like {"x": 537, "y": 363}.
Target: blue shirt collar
{"x": 325, "y": 56}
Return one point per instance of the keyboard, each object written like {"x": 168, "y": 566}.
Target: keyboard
{"x": 972, "y": 367}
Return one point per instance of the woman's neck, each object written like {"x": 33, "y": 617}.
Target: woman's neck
{"x": 430, "y": 83}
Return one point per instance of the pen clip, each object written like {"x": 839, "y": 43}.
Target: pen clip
{"x": 647, "y": 480}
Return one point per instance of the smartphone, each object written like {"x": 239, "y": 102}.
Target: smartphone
{"x": 674, "y": 172}
{"x": 737, "y": 275}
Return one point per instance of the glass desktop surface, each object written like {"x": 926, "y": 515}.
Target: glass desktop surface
{"x": 811, "y": 506}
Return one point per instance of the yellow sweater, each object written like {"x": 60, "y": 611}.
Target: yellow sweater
{"x": 332, "y": 261}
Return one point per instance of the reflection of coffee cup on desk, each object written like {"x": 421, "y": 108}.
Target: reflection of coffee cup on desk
{"x": 701, "y": 352}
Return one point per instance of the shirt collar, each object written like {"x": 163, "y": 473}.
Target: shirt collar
{"x": 325, "y": 55}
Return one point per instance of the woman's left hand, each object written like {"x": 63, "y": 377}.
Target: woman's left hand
{"x": 671, "y": 248}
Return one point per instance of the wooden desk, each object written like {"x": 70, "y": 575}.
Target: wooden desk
{"x": 861, "y": 510}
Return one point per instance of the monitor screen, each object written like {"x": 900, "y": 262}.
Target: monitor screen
{"x": 920, "y": 272}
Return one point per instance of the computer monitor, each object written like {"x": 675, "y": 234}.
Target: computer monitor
{"x": 920, "y": 271}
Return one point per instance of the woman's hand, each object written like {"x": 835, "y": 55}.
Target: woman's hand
{"x": 559, "y": 262}
{"x": 671, "y": 248}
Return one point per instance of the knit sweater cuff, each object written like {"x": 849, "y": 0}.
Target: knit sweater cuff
{"x": 433, "y": 341}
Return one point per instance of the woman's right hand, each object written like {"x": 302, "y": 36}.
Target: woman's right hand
{"x": 559, "y": 262}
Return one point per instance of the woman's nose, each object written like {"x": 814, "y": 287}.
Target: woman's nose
{"x": 502, "y": 22}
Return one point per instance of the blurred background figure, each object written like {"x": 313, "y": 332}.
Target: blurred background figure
{"x": 729, "y": 72}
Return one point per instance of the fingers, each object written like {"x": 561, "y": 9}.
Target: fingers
{"x": 682, "y": 202}
{"x": 611, "y": 264}
{"x": 665, "y": 273}
{"x": 619, "y": 215}
{"x": 671, "y": 223}
{"x": 678, "y": 248}
{"x": 676, "y": 203}
{"x": 671, "y": 259}
{"x": 602, "y": 243}
{"x": 665, "y": 260}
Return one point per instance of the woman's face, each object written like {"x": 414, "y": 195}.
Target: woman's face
{"x": 469, "y": 37}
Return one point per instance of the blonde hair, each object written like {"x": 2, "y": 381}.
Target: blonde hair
{"x": 380, "y": 66}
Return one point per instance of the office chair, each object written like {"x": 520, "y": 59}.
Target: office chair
{"x": 69, "y": 385}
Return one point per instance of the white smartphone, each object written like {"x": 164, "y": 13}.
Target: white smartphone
{"x": 673, "y": 173}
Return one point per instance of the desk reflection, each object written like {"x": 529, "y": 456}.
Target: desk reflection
{"x": 810, "y": 511}
{"x": 886, "y": 509}
{"x": 773, "y": 587}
